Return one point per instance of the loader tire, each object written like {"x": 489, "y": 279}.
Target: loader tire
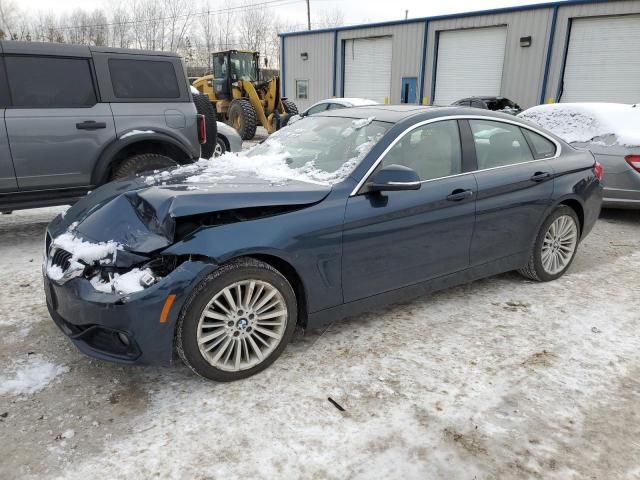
{"x": 242, "y": 117}
{"x": 204, "y": 107}
{"x": 290, "y": 107}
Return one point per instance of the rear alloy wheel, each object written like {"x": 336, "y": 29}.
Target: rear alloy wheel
{"x": 242, "y": 116}
{"x": 555, "y": 247}
{"x": 237, "y": 322}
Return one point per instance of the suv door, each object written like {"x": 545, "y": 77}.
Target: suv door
{"x": 396, "y": 239}
{"x": 514, "y": 191}
{"x": 56, "y": 127}
{"x": 7, "y": 173}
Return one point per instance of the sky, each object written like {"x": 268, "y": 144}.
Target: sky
{"x": 355, "y": 11}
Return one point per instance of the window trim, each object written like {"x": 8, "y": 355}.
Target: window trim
{"x": 376, "y": 163}
{"x": 296, "y": 85}
{"x": 92, "y": 74}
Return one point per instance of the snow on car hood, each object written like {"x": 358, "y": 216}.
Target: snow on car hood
{"x": 601, "y": 123}
{"x": 139, "y": 213}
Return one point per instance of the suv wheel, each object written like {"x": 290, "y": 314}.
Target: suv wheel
{"x": 206, "y": 108}
{"x": 237, "y": 321}
{"x": 242, "y": 117}
{"x": 144, "y": 162}
{"x": 555, "y": 246}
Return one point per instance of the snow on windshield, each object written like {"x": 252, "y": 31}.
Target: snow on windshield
{"x": 293, "y": 153}
{"x": 602, "y": 123}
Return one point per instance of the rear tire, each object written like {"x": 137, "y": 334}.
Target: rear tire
{"x": 144, "y": 162}
{"x": 242, "y": 116}
{"x": 555, "y": 247}
{"x": 204, "y": 107}
{"x": 224, "y": 317}
{"x": 290, "y": 107}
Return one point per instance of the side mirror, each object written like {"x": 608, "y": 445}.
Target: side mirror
{"x": 394, "y": 178}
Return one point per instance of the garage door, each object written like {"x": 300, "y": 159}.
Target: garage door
{"x": 367, "y": 68}
{"x": 469, "y": 63}
{"x": 603, "y": 60}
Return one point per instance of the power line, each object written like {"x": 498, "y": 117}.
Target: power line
{"x": 253, "y": 6}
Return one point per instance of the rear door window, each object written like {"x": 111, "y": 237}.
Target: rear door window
{"x": 499, "y": 144}
{"x": 542, "y": 147}
{"x": 143, "y": 79}
{"x": 37, "y": 81}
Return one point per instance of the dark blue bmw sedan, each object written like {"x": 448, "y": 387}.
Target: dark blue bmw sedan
{"x": 333, "y": 215}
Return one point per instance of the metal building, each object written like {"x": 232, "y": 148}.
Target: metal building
{"x": 575, "y": 50}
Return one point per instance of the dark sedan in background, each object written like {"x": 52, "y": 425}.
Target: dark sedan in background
{"x": 338, "y": 213}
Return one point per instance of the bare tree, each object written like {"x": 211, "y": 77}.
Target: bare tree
{"x": 253, "y": 27}
{"x": 8, "y": 16}
{"x": 120, "y": 26}
{"x": 330, "y": 18}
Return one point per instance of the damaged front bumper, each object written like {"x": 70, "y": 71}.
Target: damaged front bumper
{"x": 123, "y": 328}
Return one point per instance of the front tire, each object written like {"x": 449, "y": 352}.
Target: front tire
{"x": 555, "y": 247}
{"x": 237, "y": 321}
{"x": 242, "y": 117}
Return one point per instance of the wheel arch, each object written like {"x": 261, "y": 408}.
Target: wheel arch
{"x": 119, "y": 150}
{"x": 292, "y": 276}
{"x": 577, "y": 207}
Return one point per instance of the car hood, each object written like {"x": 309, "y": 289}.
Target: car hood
{"x": 143, "y": 218}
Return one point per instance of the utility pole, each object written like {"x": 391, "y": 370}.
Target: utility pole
{"x": 406, "y": 14}
{"x": 308, "y": 16}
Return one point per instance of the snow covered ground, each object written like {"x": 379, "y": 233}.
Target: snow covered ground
{"x": 502, "y": 378}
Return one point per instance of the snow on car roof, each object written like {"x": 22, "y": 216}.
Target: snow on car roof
{"x": 589, "y": 122}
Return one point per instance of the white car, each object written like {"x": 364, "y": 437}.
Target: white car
{"x": 611, "y": 131}
{"x": 333, "y": 104}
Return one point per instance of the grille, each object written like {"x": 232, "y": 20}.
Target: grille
{"x": 62, "y": 259}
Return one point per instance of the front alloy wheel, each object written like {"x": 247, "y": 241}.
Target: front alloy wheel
{"x": 242, "y": 325}
{"x": 237, "y": 321}
{"x": 555, "y": 246}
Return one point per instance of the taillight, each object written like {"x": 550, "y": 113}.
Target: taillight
{"x": 634, "y": 161}
{"x": 598, "y": 170}
{"x": 202, "y": 129}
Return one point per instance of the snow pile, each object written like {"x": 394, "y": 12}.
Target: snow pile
{"x": 30, "y": 376}
{"x": 125, "y": 283}
{"x": 136, "y": 132}
{"x": 603, "y": 123}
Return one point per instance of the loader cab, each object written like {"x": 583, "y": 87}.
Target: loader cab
{"x": 231, "y": 66}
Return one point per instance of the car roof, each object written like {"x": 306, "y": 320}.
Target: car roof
{"x": 68, "y": 50}
{"x": 398, "y": 113}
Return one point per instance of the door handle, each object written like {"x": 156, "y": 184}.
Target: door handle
{"x": 90, "y": 125}
{"x": 459, "y": 194}
{"x": 540, "y": 176}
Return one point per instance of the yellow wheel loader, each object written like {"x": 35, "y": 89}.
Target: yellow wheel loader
{"x": 240, "y": 98}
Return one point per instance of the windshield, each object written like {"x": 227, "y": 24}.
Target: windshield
{"x": 243, "y": 67}
{"x": 322, "y": 149}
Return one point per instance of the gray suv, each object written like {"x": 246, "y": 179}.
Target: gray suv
{"x": 75, "y": 117}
